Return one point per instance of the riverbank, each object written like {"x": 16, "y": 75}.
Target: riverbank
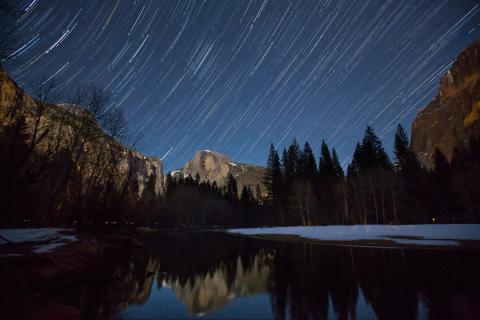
{"x": 386, "y": 236}
{"x": 44, "y": 280}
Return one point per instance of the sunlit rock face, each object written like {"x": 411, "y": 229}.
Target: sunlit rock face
{"x": 10, "y": 93}
{"x": 135, "y": 168}
{"x": 204, "y": 294}
{"x": 139, "y": 169}
{"x": 214, "y": 166}
{"x": 453, "y": 116}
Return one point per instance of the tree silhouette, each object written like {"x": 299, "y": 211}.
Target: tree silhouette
{"x": 231, "y": 189}
{"x": 309, "y": 165}
{"x": 337, "y": 168}
{"x": 273, "y": 178}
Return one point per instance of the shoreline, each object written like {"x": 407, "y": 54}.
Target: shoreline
{"x": 37, "y": 282}
{"x": 380, "y": 244}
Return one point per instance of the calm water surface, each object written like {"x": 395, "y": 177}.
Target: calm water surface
{"x": 188, "y": 275}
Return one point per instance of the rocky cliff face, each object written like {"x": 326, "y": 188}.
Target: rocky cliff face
{"x": 134, "y": 167}
{"x": 140, "y": 168}
{"x": 453, "y": 116}
{"x": 214, "y": 166}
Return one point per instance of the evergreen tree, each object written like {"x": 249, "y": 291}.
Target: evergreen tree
{"x": 169, "y": 183}
{"x": 354, "y": 166}
{"x": 309, "y": 165}
{"x": 148, "y": 200}
{"x": 338, "y": 170}
{"x": 401, "y": 147}
{"x": 189, "y": 180}
{"x": 149, "y": 193}
{"x": 231, "y": 189}
{"x": 285, "y": 163}
{"x": 292, "y": 167}
{"x": 405, "y": 160}
{"x": 215, "y": 188}
{"x": 442, "y": 167}
{"x": 180, "y": 180}
{"x": 372, "y": 152}
{"x": 258, "y": 194}
{"x": 273, "y": 178}
{"x": 246, "y": 197}
{"x": 197, "y": 178}
{"x": 326, "y": 168}
{"x": 287, "y": 171}
{"x": 247, "y": 200}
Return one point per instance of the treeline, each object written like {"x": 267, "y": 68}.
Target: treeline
{"x": 60, "y": 164}
{"x": 301, "y": 191}
{"x": 192, "y": 202}
{"x": 374, "y": 190}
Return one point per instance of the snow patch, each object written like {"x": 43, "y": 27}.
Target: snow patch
{"x": 426, "y": 234}
{"x": 52, "y": 238}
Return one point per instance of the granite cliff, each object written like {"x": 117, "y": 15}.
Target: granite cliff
{"x": 133, "y": 168}
{"x": 453, "y": 116}
{"x": 214, "y": 166}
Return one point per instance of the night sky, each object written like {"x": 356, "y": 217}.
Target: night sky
{"x": 233, "y": 76}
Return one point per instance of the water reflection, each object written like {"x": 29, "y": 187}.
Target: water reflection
{"x": 205, "y": 293}
{"x": 218, "y": 276}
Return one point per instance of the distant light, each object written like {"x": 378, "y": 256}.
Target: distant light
{"x": 433, "y": 219}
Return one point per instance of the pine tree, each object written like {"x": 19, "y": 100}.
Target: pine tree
{"x": 246, "y": 196}
{"x": 180, "y": 180}
{"x": 215, "y": 188}
{"x": 231, "y": 189}
{"x": 258, "y": 194}
{"x": 326, "y": 168}
{"x": 372, "y": 152}
{"x": 149, "y": 196}
{"x": 189, "y": 180}
{"x": 286, "y": 167}
{"x": 309, "y": 165}
{"x": 247, "y": 200}
{"x": 284, "y": 159}
{"x": 169, "y": 184}
{"x": 197, "y": 178}
{"x": 338, "y": 170}
{"x": 273, "y": 178}
{"x": 405, "y": 159}
{"x": 354, "y": 166}
{"x": 401, "y": 147}
{"x": 294, "y": 155}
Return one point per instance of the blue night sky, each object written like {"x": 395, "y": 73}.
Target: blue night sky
{"x": 233, "y": 76}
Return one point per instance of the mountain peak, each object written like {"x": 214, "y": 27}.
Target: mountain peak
{"x": 215, "y": 166}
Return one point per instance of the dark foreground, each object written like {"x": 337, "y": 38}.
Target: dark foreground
{"x": 214, "y": 275}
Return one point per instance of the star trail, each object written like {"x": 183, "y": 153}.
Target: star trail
{"x": 234, "y": 75}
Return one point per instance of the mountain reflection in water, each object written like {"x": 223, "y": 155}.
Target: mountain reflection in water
{"x": 215, "y": 275}
{"x": 208, "y": 292}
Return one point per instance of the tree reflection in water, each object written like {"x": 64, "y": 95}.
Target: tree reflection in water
{"x": 207, "y": 271}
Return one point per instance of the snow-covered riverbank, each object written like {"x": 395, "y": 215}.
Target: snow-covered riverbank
{"x": 427, "y": 234}
{"x": 48, "y": 238}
